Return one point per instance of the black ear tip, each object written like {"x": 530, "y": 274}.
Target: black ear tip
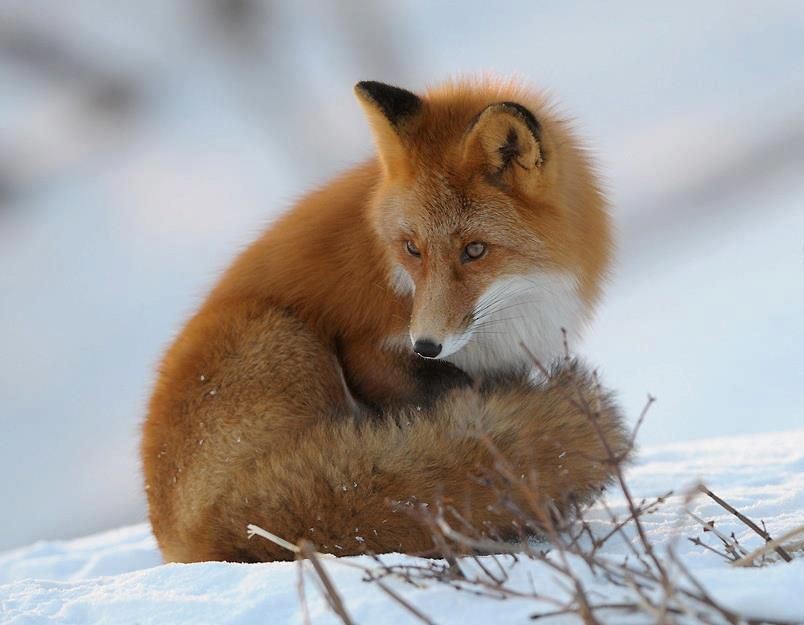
{"x": 365, "y": 86}
{"x": 395, "y": 103}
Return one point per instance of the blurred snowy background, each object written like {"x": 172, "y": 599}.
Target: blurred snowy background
{"x": 143, "y": 144}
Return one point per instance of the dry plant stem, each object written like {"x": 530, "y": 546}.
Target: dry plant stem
{"x": 650, "y": 401}
{"x": 503, "y": 572}
{"x": 256, "y": 530}
{"x": 501, "y": 464}
{"x": 732, "y": 547}
{"x": 584, "y": 608}
{"x": 499, "y": 581}
{"x": 699, "y": 543}
{"x": 485, "y": 545}
{"x": 671, "y": 591}
{"x": 488, "y": 545}
{"x": 779, "y": 549}
{"x": 658, "y": 613}
{"x": 774, "y": 544}
{"x": 404, "y": 603}
{"x": 585, "y": 611}
{"x": 643, "y": 537}
{"x": 443, "y": 547}
{"x": 623, "y": 607}
{"x": 584, "y": 531}
{"x": 642, "y": 509}
{"x": 331, "y": 593}
{"x": 702, "y": 599}
{"x": 707, "y": 600}
{"x": 442, "y": 575}
{"x": 614, "y": 460}
{"x": 620, "y": 529}
{"x": 302, "y": 595}
{"x": 703, "y": 596}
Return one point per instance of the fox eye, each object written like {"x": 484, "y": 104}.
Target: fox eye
{"x": 410, "y": 246}
{"x": 474, "y": 250}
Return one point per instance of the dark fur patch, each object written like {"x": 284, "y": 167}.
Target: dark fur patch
{"x": 395, "y": 103}
{"x": 527, "y": 117}
{"x": 510, "y": 149}
{"x": 505, "y": 380}
{"x": 434, "y": 378}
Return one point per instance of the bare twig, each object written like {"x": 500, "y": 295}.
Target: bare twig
{"x": 256, "y": 530}
{"x": 774, "y": 544}
{"x": 767, "y": 537}
{"x": 331, "y": 593}
{"x": 404, "y": 603}
{"x": 302, "y": 595}
{"x": 699, "y": 543}
{"x": 641, "y": 510}
{"x": 648, "y": 403}
{"x": 732, "y": 547}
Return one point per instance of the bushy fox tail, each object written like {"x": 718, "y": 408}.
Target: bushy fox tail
{"x": 352, "y": 487}
{"x": 349, "y": 485}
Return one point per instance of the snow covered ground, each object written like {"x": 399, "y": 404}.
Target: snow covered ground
{"x": 116, "y": 577}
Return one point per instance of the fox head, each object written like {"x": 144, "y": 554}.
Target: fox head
{"x": 490, "y": 218}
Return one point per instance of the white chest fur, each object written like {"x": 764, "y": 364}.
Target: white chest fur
{"x": 529, "y": 310}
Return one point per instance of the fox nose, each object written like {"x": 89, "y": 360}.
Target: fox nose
{"x": 427, "y": 348}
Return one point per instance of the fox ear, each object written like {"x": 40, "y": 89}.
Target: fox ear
{"x": 506, "y": 140}
{"x": 389, "y": 110}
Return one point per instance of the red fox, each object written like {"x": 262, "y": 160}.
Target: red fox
{"x": 348, "y": 358}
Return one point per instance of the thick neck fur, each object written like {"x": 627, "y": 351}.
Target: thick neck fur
{"x": 521, "y": 318}
{"x": 518, "y": 319}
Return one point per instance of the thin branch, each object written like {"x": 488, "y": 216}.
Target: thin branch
{"x": 731, "y": 546}
{"x": 699, "y": 543}
{"x": 331, "y": 593}
{"x": 404, "y": 603}
{"x": 774, "y": 544}
{"x": 778, "y": 548}
{"x": 302, "y": 595}
{"x": 256, "y": 530}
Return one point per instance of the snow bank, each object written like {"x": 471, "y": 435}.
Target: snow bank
{"x": 116, "y": 577}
